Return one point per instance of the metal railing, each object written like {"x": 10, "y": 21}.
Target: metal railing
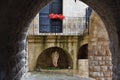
{"x": 72, "y": 26}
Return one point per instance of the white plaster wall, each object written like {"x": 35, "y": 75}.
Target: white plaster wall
{"x": 74, "y": 9}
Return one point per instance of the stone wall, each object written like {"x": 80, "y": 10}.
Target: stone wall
{"x": 37, "y": 44}
{"x": 100, "y": 61}
{"x": 14, "y": 21}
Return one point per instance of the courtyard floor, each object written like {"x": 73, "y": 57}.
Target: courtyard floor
{"x": 52, "y": 76}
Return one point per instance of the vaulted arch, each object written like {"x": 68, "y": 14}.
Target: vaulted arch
{"x": 15, "y": 17}
{"x": 46, "y": 59}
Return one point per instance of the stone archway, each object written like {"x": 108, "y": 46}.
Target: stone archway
{"x": 17, "y": 14}
{"x": 46, "y": 59}
{"x": 100, "y": 61}
{"x": 83, "y": 52}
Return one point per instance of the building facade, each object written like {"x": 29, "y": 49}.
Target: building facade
{"x": 86, "y": 54}
{"x": 73, "y": 36}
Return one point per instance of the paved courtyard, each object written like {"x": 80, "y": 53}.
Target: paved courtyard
{"x": 52, "y": 76}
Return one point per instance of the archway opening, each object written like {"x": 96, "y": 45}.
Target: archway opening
{"x": 83, "y": 52}
{"x": 19, "y": 14}
{"x": 54, "y": 57}
{"x": 82, "y": 56}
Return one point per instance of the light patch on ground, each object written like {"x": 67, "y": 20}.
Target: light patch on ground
{"x": 52, "y": 76}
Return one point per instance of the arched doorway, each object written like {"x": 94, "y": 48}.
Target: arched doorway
{"x": 20, "y": 13}
{"x": 83, "y": 52}
{"x": 54, "y": 57}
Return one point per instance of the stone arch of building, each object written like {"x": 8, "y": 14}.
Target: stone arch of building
{"x": 45, "y": 59}
{"x": 15, "y": 18}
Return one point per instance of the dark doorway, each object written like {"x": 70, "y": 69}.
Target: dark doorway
{"x": 83, "y": 52}
{"x": 45, "y": 59}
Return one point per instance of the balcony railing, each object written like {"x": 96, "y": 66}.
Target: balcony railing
{"x": 72, "y": 26}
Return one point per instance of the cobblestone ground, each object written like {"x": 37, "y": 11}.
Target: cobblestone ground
{"x": 52, "y": 76}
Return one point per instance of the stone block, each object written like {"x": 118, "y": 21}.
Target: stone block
{"x": 96, "y": 68}
{"x": 91, "y": 53}
{"x": 101, "y": 63}
{"x": 104, "y": 58}
{"x": 101, "y": 79}
{"x": 109, "y": 63}
{"x": 96, "y": 63}
{"x": 92, "y": 63}
{"x": 102, "y": 52}
{"x": 108, "y": 58}
{"x": 96, "y": 74}
{"x": 91, "y": 74}
{"x": 109, "y": 68}
{"x": 98, "y": 58}
{"x": 101, "y": 74}
{"x": 107, "y": 74}
{"x": 111, "y": 74}
{"x": 104, "y": 68}
{"x": 91, "y": 68}
{"x": 91, "y": 58}
{"x": 96, "y": 53}
{"x": 99, "y": 46}
{"x": 108, "y": 78}
{"x": 93, "y": 39}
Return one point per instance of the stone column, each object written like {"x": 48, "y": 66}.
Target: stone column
{"x": 100, "y": 61}
{"x": 74, "y": 58}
